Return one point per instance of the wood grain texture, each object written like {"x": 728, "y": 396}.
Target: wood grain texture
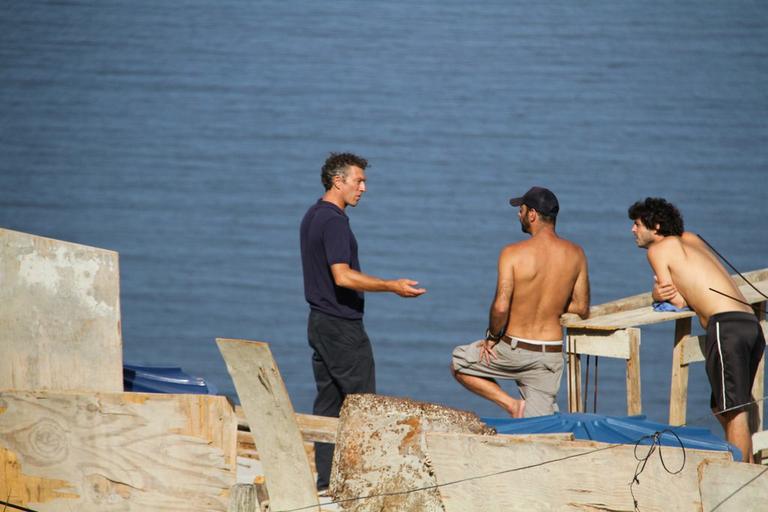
{"x": 586, "y": 481}
{"x": 63, "y": 451}
{"x": 270, "y": 415}
{"x": 733, "y": 486}
{"x": 60, "y": 315}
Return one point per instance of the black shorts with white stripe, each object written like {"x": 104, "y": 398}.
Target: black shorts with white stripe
{"x": 734, "y": 348}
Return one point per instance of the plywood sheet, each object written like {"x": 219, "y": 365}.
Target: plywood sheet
{"x": 270, "y": 415}
{"x": 585, "y": 475}
{"x": 60, "y": 315}
{"x": 733, "y": 486}
{"x": 64, "y": 451}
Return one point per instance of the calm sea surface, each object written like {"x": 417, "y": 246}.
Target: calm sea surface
{"x": 188, "y": 136}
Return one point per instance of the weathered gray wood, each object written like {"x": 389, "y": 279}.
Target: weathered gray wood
{"x": 645, "y": 315}
{"x": 381, "y": 449}
{"x": 733, "y": 486}
{"x": 585, "y": 481}
{"x": 59, "y": 315}
{"x": 271, "y": 417}
{"x": 600, "y": 343}
{"x": 104, "y": 452}
{"x": 678, "y": 393}
{"x": 644, "y": 300}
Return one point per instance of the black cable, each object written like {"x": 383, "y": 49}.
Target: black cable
{"x": 462, "y": 480}
{"x": 17, "y": 507}
{"x": 732, "y": 267}
{"x": 642, "y": 461}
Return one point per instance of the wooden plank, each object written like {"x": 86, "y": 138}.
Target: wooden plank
{"x": 733, "y": 486}
{"x": 634, "y": 391}
{"x": 600, "y": 343}
{"x": 678, "y": 395}
{"x": 645, "y": 315}
{"x": 586, "y": 480}
{"x": 270, "y": 414}
{"x": 644, "y": 300}
{"x": 320, "y": 429}
{"x": 62, "y": 451}
{"x": 574, "y": 378}
{"x": 60, "y": 315}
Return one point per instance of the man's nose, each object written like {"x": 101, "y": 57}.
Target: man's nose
{"x": 362, "y": 186}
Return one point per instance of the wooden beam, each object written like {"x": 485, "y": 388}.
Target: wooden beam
{"x": 600, "y": 343}
{"x": 270, "y": 414}
{"x": 733, "y": 486}
{"x": 582, "y": 478}
{"x": 315, "y": 429}
{"x": 59, "y": 315}
{"x": 634, "y": 387}
{"x": 693, "y": 349}
{"x": 574, "y": 377}
{"x": 678, "y": 395}
{"x": 116, "y": 451}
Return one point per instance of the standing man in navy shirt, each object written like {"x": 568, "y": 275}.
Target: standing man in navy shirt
{"x": 333, "y": 286}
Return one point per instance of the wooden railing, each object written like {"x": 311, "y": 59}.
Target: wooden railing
{"x": 613, "y": 330}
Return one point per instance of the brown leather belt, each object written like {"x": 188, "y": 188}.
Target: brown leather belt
{"x": 532, "y": 346}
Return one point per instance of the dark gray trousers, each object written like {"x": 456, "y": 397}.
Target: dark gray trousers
{"x": 343, "y": 364}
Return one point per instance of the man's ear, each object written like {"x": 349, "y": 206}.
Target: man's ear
{"x": 337, "y": 180}
{"x": 656, "y": 228}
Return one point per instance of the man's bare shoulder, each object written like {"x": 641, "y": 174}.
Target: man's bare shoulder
{"x": 666, "y": 247}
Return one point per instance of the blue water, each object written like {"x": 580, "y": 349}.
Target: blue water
{"x": 188, "y": 136}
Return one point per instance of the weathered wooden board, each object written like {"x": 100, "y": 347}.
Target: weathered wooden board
{"x": 321, "y": 429}
{"x": 380, "y": 450}
{"x": 644, "y": 300}
{"x": 733, "y": 486}
{"x": 578, "y": 480}
{"x": 637, "y": 315}
{"x": 271, "y": 417}
{"x": 60, "y": 315}
{"x": 103, "y": 452}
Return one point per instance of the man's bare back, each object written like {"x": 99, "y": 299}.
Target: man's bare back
{"x": 548, "y": 274}
{"x": 695, "y": 272}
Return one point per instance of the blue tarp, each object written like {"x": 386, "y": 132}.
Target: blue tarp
{"x": 613, "y": 429}
{"x": 144, "y": 378}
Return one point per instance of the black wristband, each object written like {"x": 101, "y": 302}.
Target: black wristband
{"x": 490, "y": 336}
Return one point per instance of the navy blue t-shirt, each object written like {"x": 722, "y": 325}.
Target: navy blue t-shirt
{"x": 326, "y": 239}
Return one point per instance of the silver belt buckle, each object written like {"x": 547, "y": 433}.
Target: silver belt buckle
{"x": 513, "y": 343}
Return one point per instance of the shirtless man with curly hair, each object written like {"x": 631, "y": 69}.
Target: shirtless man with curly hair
{"x": 687, "y": 273}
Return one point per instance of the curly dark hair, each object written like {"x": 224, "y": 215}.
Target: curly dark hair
{"x": 656, "y": 210}
{"x": 337, "y": 165}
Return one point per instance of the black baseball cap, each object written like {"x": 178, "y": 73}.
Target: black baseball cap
{"x": 540, "y": 199}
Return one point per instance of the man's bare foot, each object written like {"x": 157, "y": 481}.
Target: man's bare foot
{"x": 517, "y": 408}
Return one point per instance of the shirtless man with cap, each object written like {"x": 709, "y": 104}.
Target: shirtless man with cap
{"x": 539, "y": 279}
{"x": 687, "y": 273}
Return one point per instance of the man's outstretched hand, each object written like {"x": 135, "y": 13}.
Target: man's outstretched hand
{"x": 407, "y": 288}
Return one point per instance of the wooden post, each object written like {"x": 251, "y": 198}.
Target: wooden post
{"x": 634, "y": 392}
{"x": 758, "y": 386}
{"x": 574, "y": 376}
{"x": 678, "y": 396}
{"x": 242, "y": 498}
{"x": 273, "y": 424}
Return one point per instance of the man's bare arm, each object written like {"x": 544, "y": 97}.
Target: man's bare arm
{"x": 580, "y": 297}
{"x": 505, "y": 284}
{"x": 346, "y": 277}
{"x": 663, "y": 289}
